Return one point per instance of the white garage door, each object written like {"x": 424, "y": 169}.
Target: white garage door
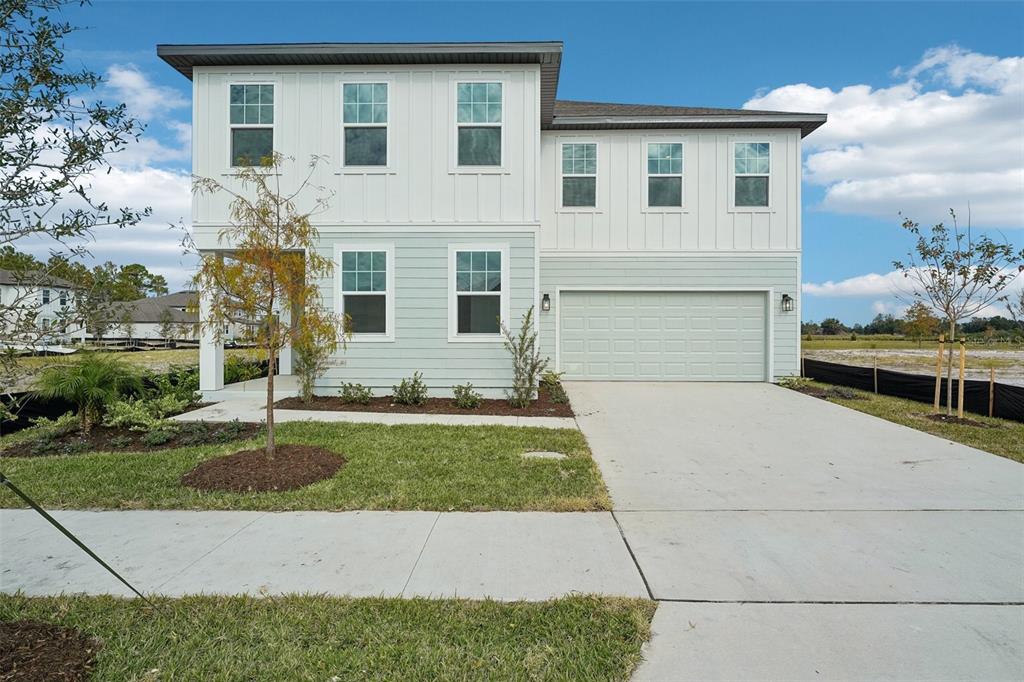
{"x": 663, "y": 336}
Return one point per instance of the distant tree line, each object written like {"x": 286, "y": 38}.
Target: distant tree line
{"x": 121, "y": 282}
{"x": 917, "y": 323}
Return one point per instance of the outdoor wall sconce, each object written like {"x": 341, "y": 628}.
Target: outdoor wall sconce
{"x": 545, "y": 303}
{"x": 788, "y": 303}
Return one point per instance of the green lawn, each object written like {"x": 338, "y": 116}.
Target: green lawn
{"x": 425, "y": 467}
{"x": 1000, "y": 436}
{"x": 322, "y": 638}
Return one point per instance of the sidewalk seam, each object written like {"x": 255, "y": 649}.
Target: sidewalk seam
{"x": 423, "y": 548}
{"x": 210, "y": 551}
{"x": 622, "y": 534}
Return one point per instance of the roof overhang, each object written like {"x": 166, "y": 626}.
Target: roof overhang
{"x": 548, "y": 55}
{"x": 807, "y": 123}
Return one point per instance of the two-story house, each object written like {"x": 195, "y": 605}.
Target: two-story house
{"x": 656, "y": 242}
{"x": 39, "y": 301}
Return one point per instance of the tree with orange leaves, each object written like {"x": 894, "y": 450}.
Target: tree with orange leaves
{"x": 269, "y": 265}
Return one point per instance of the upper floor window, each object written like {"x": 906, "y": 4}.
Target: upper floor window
{"x": 665, "y": 174}
{"x": 579, "y": 174}
{"x": 478, "y": 123}
{"x": 46, "y": 296}
{"x": 252, "y": 123}
{"x": 63, "y": 297}
{"x": 752, "y": 165}
{"x": 365, "y": 117}
{"x": 367, "y": 290}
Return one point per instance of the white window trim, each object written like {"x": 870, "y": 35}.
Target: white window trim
{"x": 560, "y": 207}
{"x": 231, "y": 126}
{"x": 453, "y": 307}
{"x": 647, "y": 208}
{"x": 733, "y": 208}
{"x": 389, "y": 296}
{"x": 453, "y": 166}
{"x": 387, "y": 168}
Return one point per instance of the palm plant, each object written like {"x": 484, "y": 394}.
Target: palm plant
{"x": 92, "y": 383}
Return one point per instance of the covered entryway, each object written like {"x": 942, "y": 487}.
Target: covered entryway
{"x": 663, "y": 335}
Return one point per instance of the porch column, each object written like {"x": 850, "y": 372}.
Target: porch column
{"x": 285, "y": 356}
{"x": 211, "y": 350}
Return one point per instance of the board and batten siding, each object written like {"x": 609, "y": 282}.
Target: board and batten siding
{"x": 620, "y": 221}
{"x": 421, "y": 315}
{"x": 421, "y": 184}
{"x": 653, "y": 272}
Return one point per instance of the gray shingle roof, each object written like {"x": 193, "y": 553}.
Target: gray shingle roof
{"x": 580, "y": 115}
{"x": 153, "y": 309}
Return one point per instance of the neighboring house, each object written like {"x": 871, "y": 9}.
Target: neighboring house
{"x": 48, "y": 298}
{"x": 171, "y": 317}
{"x": 656, "y": 242}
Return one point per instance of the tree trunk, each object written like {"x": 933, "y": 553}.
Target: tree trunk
{"x": 271, "y": 357}
{"x": 949, "y": 370}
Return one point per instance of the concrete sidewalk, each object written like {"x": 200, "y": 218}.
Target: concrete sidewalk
{"x": 253, "y": 409}
{"x": 501, "y": 555}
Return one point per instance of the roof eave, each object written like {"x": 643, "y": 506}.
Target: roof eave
{"x": 807, "y": 123}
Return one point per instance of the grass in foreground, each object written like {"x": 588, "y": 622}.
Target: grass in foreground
{"x": 426, "y": 467}
{"x": 999, "y": 436}
{"x": 323, "y": 638}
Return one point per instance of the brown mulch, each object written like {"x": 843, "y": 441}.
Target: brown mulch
{"x": 543, "y": 406}
{"x": 953, "y": 419}
{"x": 33, "y": 651}
{"x": 106, "y": 439}
{"x": 292, "y": 466}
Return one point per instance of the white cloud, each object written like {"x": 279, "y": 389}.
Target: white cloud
{"x": 144, "y": 99}
{"x": 947, "y": 134}
{"x": 871, "y": 284}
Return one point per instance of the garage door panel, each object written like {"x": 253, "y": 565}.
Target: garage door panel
{"x": 697, "y": 336}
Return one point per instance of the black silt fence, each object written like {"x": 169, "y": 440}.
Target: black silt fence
{"x": 1008, "y": 400}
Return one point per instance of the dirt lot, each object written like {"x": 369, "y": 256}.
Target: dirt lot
{"x": 1009, "y": 364}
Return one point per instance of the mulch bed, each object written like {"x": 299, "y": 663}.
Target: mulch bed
{"x": 827, "y": 393}
{"x": 105, "y": 439}
{"x": 292, "y": 466}
{"x": 953, "y": 419}
{"x": 40, "y": 651}
{"x": 543, "y": 406}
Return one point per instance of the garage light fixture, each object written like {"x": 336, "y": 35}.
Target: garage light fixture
{"x": 788, "y": 303}
{"x": 545, "y": 303}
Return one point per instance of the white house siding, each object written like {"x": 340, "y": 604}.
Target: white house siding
{"x": 421, "y": 185}
{"x": 620, "y": 222}
{"x": 422, "y": 316}
{"x": 778, "y": 273}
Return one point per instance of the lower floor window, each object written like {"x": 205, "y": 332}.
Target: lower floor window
{"x": 478, "y": 291}
{"x": 364, "y": 290}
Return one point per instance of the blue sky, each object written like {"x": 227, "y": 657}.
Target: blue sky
{"x": 907, "y": 86}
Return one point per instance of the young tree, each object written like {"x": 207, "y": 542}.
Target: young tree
{"x": 126, "y": 323}
{"x": 958, "y": 275}
{"x": 919, "y": 322}
{"x": 527, "y": 362}
{"x": 272, "y": 265}
{"x": 166, "y": 326}
{"x": 55, "y": 135}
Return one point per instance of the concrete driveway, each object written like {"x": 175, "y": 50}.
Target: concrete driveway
{"x": 788, "y": 537}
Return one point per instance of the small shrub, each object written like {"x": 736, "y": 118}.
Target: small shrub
{"x": 550, "y": 378}
{"x": 193, "y": 433}
{"x": 160, "y": 435}
{"x": 134, "y": 415}
{"x": 230, "y": 431}
{"x": 313, "y": 350}
{"x": 795, "y": 383}
{"x": 238, "y": 369}
{"x": 853, "y": 337}
{"x": 842, "y": 392}
{"x": 120, "y": 442}
{"x": 411, "y": 391}
{"x": 181, "y": 381}
{"x": 356, "y": 393}
{"x": 142, "y": 415}
{"x": 466, "y": 398}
